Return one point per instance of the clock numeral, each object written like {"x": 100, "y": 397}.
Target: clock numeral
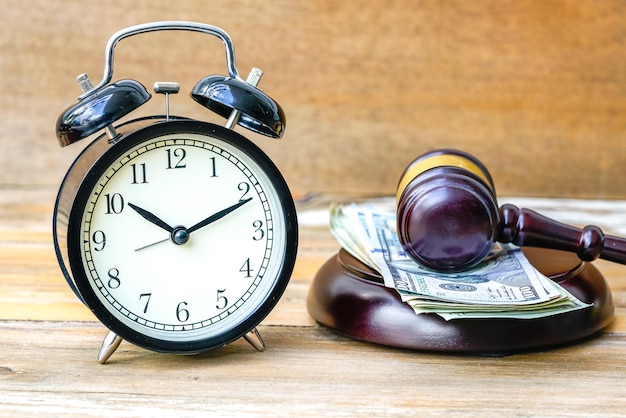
{"x": 245, "y": 268}
{"x": 139, "y": 174}
{"x": 213, "y": 167}
{"x": 147, "y": 296}
{"x": 182, "y": 314}
{"x": 175, "y": 158}
{"x": 115, "y": 203}
{"x": 114, "y": 279}
{"x": 259, "y": 232}
{"x": 100, "y": 240}
{"x": 222, "y": 301}
{"x": 245, "y": 188}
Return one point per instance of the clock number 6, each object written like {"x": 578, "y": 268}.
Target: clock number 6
{"x": 182, "y": 314}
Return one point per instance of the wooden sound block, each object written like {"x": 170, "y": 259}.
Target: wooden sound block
{"x": 350, "y": 298}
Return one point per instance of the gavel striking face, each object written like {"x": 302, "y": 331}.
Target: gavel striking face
{"x": 449, "y": 219}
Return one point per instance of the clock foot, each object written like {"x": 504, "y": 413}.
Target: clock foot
{"x": 109, "y": 345}
{"x": 255, "y": 340}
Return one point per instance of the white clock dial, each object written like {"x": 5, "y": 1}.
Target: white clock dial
{"x": 183, "y": 238}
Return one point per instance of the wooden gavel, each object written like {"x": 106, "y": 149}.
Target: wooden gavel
{"x": 449, "y": 219}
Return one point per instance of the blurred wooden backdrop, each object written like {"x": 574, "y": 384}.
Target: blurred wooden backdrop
{"x": 536, "y": 89}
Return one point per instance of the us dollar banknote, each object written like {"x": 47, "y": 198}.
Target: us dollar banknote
{"x": 504, "y": 285}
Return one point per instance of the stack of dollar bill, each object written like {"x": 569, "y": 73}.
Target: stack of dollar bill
{"x": 505, "y": 285}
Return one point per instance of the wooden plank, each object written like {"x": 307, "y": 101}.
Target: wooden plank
{"x": 305, "y": 371}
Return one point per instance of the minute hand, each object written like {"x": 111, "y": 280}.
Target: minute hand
{"x": 217, "y": 215}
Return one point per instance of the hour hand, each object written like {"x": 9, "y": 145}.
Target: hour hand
{"x": 151, "y": 217}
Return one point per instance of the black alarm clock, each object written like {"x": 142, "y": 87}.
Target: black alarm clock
{"x": 179, "y": 235}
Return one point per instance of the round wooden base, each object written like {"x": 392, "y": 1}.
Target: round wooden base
{"x": 350, "y": 298}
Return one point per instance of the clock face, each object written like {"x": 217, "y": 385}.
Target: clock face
{"x": 185, "y": 237}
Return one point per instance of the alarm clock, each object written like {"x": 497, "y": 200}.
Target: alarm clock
{"x": 179, "y": 235}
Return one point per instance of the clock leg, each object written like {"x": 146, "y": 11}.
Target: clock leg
{"x": 255, "y": 340}
{"x": 109, "y": 345}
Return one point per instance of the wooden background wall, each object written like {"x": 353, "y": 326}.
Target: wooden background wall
{"x": 536, "y": 89}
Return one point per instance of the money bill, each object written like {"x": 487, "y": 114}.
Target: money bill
{"x": 504, "y": 285}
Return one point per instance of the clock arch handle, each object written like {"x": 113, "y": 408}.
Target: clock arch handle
{"x": 158, "y": 26}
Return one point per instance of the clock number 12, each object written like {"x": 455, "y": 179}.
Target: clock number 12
{"x": 175, "y": 158}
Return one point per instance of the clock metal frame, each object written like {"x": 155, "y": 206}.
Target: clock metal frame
{"x": 103, "y": 105}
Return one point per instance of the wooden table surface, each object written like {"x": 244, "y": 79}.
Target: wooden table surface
{"x": 49, "y": 343}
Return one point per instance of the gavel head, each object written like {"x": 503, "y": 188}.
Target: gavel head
{"x": 447, "y": 210}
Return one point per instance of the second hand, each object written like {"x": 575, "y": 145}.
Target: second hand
{"x": 150, "y": 245}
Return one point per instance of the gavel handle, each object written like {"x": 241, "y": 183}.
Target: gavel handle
{"x": 525, "y": 227}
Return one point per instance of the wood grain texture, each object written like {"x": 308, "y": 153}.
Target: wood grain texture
{"x": 50, "y": 341}
{"x": 304, "y": 372}
{"x": 536, "y": 89}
